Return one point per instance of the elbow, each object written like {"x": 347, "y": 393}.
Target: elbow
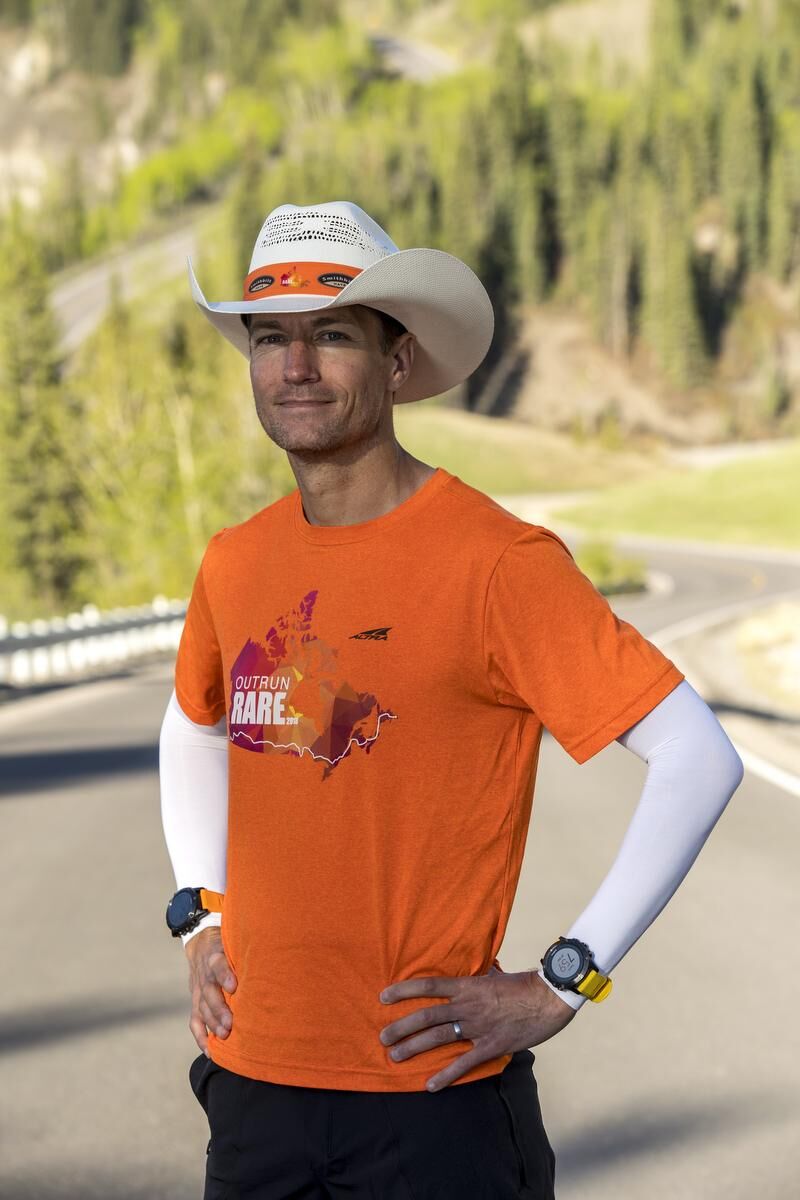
{"x": 731, "y": 765}
{"x": 726, "y": 766}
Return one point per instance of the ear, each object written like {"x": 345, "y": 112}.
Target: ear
{"x": 402, "y": 360}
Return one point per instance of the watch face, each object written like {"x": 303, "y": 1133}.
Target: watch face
{"x": 565, "y": 963}
{"x": 181, "y": 906}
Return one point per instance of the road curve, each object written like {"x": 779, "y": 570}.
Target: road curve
{"x": 81, "y": 297}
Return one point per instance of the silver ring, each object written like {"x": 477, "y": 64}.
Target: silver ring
{"x": 458, "y": 1032}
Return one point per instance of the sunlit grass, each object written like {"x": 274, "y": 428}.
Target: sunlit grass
{"x": 753, "y": 502}
{"x": 505, "y": 456}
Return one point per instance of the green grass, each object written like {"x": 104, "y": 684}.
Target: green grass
{"x": 611, "y": 573}
{"x": 753, "y": 502}
{"x": 504, "y": 456}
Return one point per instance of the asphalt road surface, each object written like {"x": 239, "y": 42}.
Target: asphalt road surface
{"x": 683, "y": 1084}
{"x": 81, "y": 296}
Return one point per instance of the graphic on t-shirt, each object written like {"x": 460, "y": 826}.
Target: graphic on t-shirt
{"x": 288, "y": 697}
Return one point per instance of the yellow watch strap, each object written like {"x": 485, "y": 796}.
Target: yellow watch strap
{"x": 596, "y": 986}
{"x": 211, "y": 900}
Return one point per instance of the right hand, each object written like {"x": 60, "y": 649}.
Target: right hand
{"x": 209, "y": 973}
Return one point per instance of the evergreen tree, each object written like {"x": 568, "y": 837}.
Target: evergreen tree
{"x": 16, "y": 12}
{"x": 528, "y": 251}
{"x": 741, "y": 161}
{"x": 670, "y": 33}
{"x": 40, "y": 421}
{"x": 511, "y": 102}
{"x": 783, "y": 218}
{"x": 670, "y": 320}
{"x": 99, "y": 34}
{"x": 247, "y": 210}
{"x": 565, "y": 133}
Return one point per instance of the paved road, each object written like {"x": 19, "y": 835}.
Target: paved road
{"x": 684, "y": 1084}
{"x": 81, "y": 296}
{"x": 413, "y": 60}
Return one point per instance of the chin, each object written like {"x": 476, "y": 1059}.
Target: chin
{"x": 296, "y": 443}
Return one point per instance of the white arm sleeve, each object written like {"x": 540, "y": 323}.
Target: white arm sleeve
{"x": 693, "y": 770}
{"x": 193, "y": 775}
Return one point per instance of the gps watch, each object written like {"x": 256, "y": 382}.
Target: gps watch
{"x": 188, "y": 906}
{"x": 568, "y": 964}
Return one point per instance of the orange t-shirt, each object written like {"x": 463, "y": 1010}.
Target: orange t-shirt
{"x": 385, "y": 686}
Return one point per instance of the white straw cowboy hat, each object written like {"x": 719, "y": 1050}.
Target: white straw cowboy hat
{"x": 327, "y": 255}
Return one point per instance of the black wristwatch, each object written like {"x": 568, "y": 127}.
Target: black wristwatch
{"x": 568, "y": 964}
{"x": 188, "y": 906}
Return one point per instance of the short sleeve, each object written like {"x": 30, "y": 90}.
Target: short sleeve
{"x": 553, "y": 644}
{"x": 199, "y": 681}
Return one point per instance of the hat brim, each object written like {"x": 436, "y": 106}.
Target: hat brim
{"x": 434, "y": 294}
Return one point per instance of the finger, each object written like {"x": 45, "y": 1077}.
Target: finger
{"x": 199, "y": 1034}
{"x": 459, "y": 1067}
{"x": 222, "y": 972}
{"x": 440, "y": 1035}
{"x": 431, "y": 985}
{"x": 422, "y": 1018}
{"x": 214, "y": 995}
{"x": 214, "y": 1011}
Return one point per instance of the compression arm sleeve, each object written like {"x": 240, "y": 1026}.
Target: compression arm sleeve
{"x": 692, "y": 772}
{"x": 193, "y": 776}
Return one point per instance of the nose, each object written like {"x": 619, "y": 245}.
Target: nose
{"x": 299, "y": 362}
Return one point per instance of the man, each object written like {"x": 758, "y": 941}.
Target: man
{"x": 348, "y": 758}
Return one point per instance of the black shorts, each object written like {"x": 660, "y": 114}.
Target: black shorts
{"x": 483, "y": 1140}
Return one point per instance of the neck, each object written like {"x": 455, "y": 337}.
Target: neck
{"x": 359, "y": 484}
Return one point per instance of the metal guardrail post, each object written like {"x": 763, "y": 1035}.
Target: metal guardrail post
{"x": 87, "y": 643}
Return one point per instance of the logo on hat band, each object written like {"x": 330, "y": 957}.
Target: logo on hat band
{"x": 306, "y": 278}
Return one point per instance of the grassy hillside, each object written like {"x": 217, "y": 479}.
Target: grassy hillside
{"x": 752, "y": 502}
{"x": 505, "y": 456}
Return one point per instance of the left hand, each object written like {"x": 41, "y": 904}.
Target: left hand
{"x": 499, "y": 1012}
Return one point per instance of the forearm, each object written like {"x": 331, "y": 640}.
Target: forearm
{"x": 193, "y": 776}
{"x": 693, "y": 770}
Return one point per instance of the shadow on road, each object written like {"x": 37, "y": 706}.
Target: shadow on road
{"x": 9, "y": 696}
{"x": 99, "y": 1185}
{"x": 652, "y": 1129}
{"x": 38, "y": 771}
{"x": 55, "y": 1022}
{"x": 719, "y": 707}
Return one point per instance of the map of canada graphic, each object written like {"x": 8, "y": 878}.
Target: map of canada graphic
{"x": 288, "y": 696}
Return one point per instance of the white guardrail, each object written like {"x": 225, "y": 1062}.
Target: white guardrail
{"x": 87, "y": 642}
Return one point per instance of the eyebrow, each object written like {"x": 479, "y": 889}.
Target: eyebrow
{"x": 316, "y": 322}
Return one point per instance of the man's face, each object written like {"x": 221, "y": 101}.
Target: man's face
{"x": 321, "y": 380}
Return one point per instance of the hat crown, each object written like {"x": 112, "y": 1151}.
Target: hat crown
{"x": 338, "y": 231}
{"x": 320, "y": 256}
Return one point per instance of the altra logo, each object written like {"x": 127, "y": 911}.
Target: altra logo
{"x": 376, "y": 635}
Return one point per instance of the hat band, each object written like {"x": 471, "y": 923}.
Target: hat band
{"x": 305, "y": 278}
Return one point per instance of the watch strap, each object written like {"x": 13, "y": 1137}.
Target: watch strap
{"x": 212, "y": 901}
{"x": 595, "y": 986}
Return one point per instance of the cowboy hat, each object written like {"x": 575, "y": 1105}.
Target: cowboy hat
{"x": 324, "y": 256}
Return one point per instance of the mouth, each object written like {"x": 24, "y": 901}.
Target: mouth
{"x": 303, "y": 403}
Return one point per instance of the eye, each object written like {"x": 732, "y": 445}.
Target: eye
{"x": 334, "y": 333}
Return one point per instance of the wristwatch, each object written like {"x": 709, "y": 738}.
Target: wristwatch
{"x": 568, "y": 964}
{"x": 188, "y": 906}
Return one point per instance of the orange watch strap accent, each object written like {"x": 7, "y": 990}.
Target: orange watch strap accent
{"x": 211, "y": 900}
